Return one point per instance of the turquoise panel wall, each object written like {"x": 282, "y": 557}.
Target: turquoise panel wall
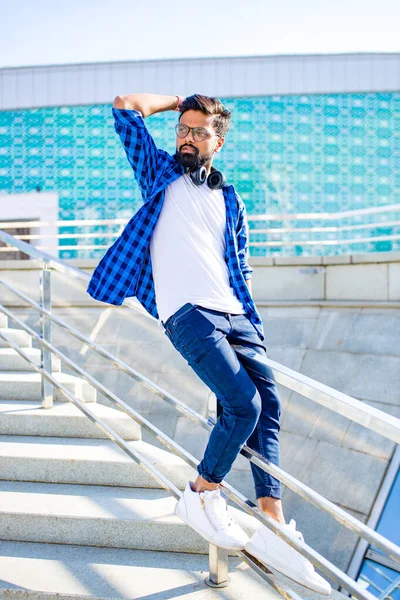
{"x": 284, "y": 154}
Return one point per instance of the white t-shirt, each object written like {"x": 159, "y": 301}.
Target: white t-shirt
{"x": 187, "y": 250}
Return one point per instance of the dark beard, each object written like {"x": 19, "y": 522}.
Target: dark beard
{"x": 191, "y": 161}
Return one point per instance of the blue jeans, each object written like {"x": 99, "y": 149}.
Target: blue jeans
{"x": 227, "y": 354}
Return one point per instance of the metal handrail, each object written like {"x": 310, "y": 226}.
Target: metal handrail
{"x": 380, "y": 238}
{"x": 318, "y": 560}
{"x": 104, "y": 234}
{"x": 322, "y": 563}
{"x": 301, "y": 489}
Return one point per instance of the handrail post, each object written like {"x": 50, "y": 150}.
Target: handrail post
{"x": 47, "y": 391}
{"x": 218, "y": 565}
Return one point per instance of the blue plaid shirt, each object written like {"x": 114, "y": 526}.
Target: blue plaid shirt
{"x": 125, "y": 269}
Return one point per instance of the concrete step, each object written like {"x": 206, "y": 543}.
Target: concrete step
{"x": 22, "y": 338}
{"x": 40, "y": 571}
{"x": 88, "y": 515}
{"x": 26, "y": 386}
{"x": 10, "y": 360}
{"x": 3, "y": 320}
{"x": 64, "y": 420}
{"x": 89, "y": 462}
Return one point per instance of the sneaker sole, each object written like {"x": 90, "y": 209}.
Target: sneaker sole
{"x": 253, "y": 550}
{"x": 203, "y": 535}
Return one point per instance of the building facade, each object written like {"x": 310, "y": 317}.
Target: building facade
{"x": 309, "y": 134}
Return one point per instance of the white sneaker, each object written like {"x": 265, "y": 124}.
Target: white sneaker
{"x": 207, "y": 513}
{"x": 274, "y": 552}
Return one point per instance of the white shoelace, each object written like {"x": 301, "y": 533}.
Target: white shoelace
{"x": 216, "y": 509}
{"x": 306, "y": 563}
{"x": 292, "y": 527}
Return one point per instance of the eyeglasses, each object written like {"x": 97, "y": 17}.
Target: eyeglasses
{"x": 199, "y": 133}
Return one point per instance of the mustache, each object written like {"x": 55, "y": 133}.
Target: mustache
{"x": 188, "y": 146}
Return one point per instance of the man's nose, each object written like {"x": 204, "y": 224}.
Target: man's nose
{"x": 189, "y": 136}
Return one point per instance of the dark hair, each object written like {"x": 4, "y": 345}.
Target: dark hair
{"x": 209, "y": 106}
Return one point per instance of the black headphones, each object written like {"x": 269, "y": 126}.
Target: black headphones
{"x": 215, "y": 181}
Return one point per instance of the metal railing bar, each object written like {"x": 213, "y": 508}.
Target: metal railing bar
{"x": 153, "y": 387}
{"x": 319, "y": 561}
{"x": 136, "y": 456}
{"x": 301, "y": 489}
{"x": 62, "y": 267}
{"x": 272, "y": 230}
{"x": 380, "y": 501}
{"x": 325, "y": 216}
{"x": 355, "y": 410}
{"x": 324, "y": 229}
{"x": 62, "y": 223}
{"x": 64, "y": 236}
{"x": 52, "y": 261}
{"x": 383, "y": 560}
{"x": 365, "y": 415}
{"x": 382, "y": 238}
{"x": 262, "y": 217}
{"x": 266, "y": 574}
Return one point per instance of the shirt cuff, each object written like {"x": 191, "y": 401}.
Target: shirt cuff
{"x": 128, "y": 117}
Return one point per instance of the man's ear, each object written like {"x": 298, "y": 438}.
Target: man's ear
{"x": 219, "y": 144}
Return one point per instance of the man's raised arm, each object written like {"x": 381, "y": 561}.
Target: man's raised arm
{"x": 147, "y": 104}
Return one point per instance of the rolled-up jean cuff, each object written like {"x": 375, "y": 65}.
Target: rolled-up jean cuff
{"x": 265, "y": 491}
{"x": 206, "y": 476}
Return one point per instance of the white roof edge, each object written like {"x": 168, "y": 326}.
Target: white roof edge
{"x": 206, "y": 58}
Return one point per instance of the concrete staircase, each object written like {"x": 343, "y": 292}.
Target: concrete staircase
{"x": 78, "y": 518}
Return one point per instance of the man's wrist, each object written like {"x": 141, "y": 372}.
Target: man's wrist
{"x": 178, "y": 106}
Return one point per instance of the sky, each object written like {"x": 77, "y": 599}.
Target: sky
{"x": 49, "y": 32}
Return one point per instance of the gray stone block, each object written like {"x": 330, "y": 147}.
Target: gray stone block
{"x": 329, "y": 427}
{"x": 376, "y": 257}
{"x": 298, "y": 260}
{"x": 335, "y": 369}
{"x": 357, "y": 282}
{"x": 293, "y": 312}
{"x": 377, "y": 379}
{"x": 374, "y": 334}
{"x": 363, "y": 439}
{"x": 287, "y": 332}
{"x": 346, "y": 477}
{"x": 332, "y": 328}
{"x": 288, "y": 283}
{"x": 290, "y": 357}
{"x": 299, "y": 415}
{"x": 338, "y": 259}
{"x": 394, "y": 281}
{"x": 297, "y": 454}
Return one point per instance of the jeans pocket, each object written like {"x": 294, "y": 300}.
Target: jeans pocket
{"x": 186, "y": 309}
